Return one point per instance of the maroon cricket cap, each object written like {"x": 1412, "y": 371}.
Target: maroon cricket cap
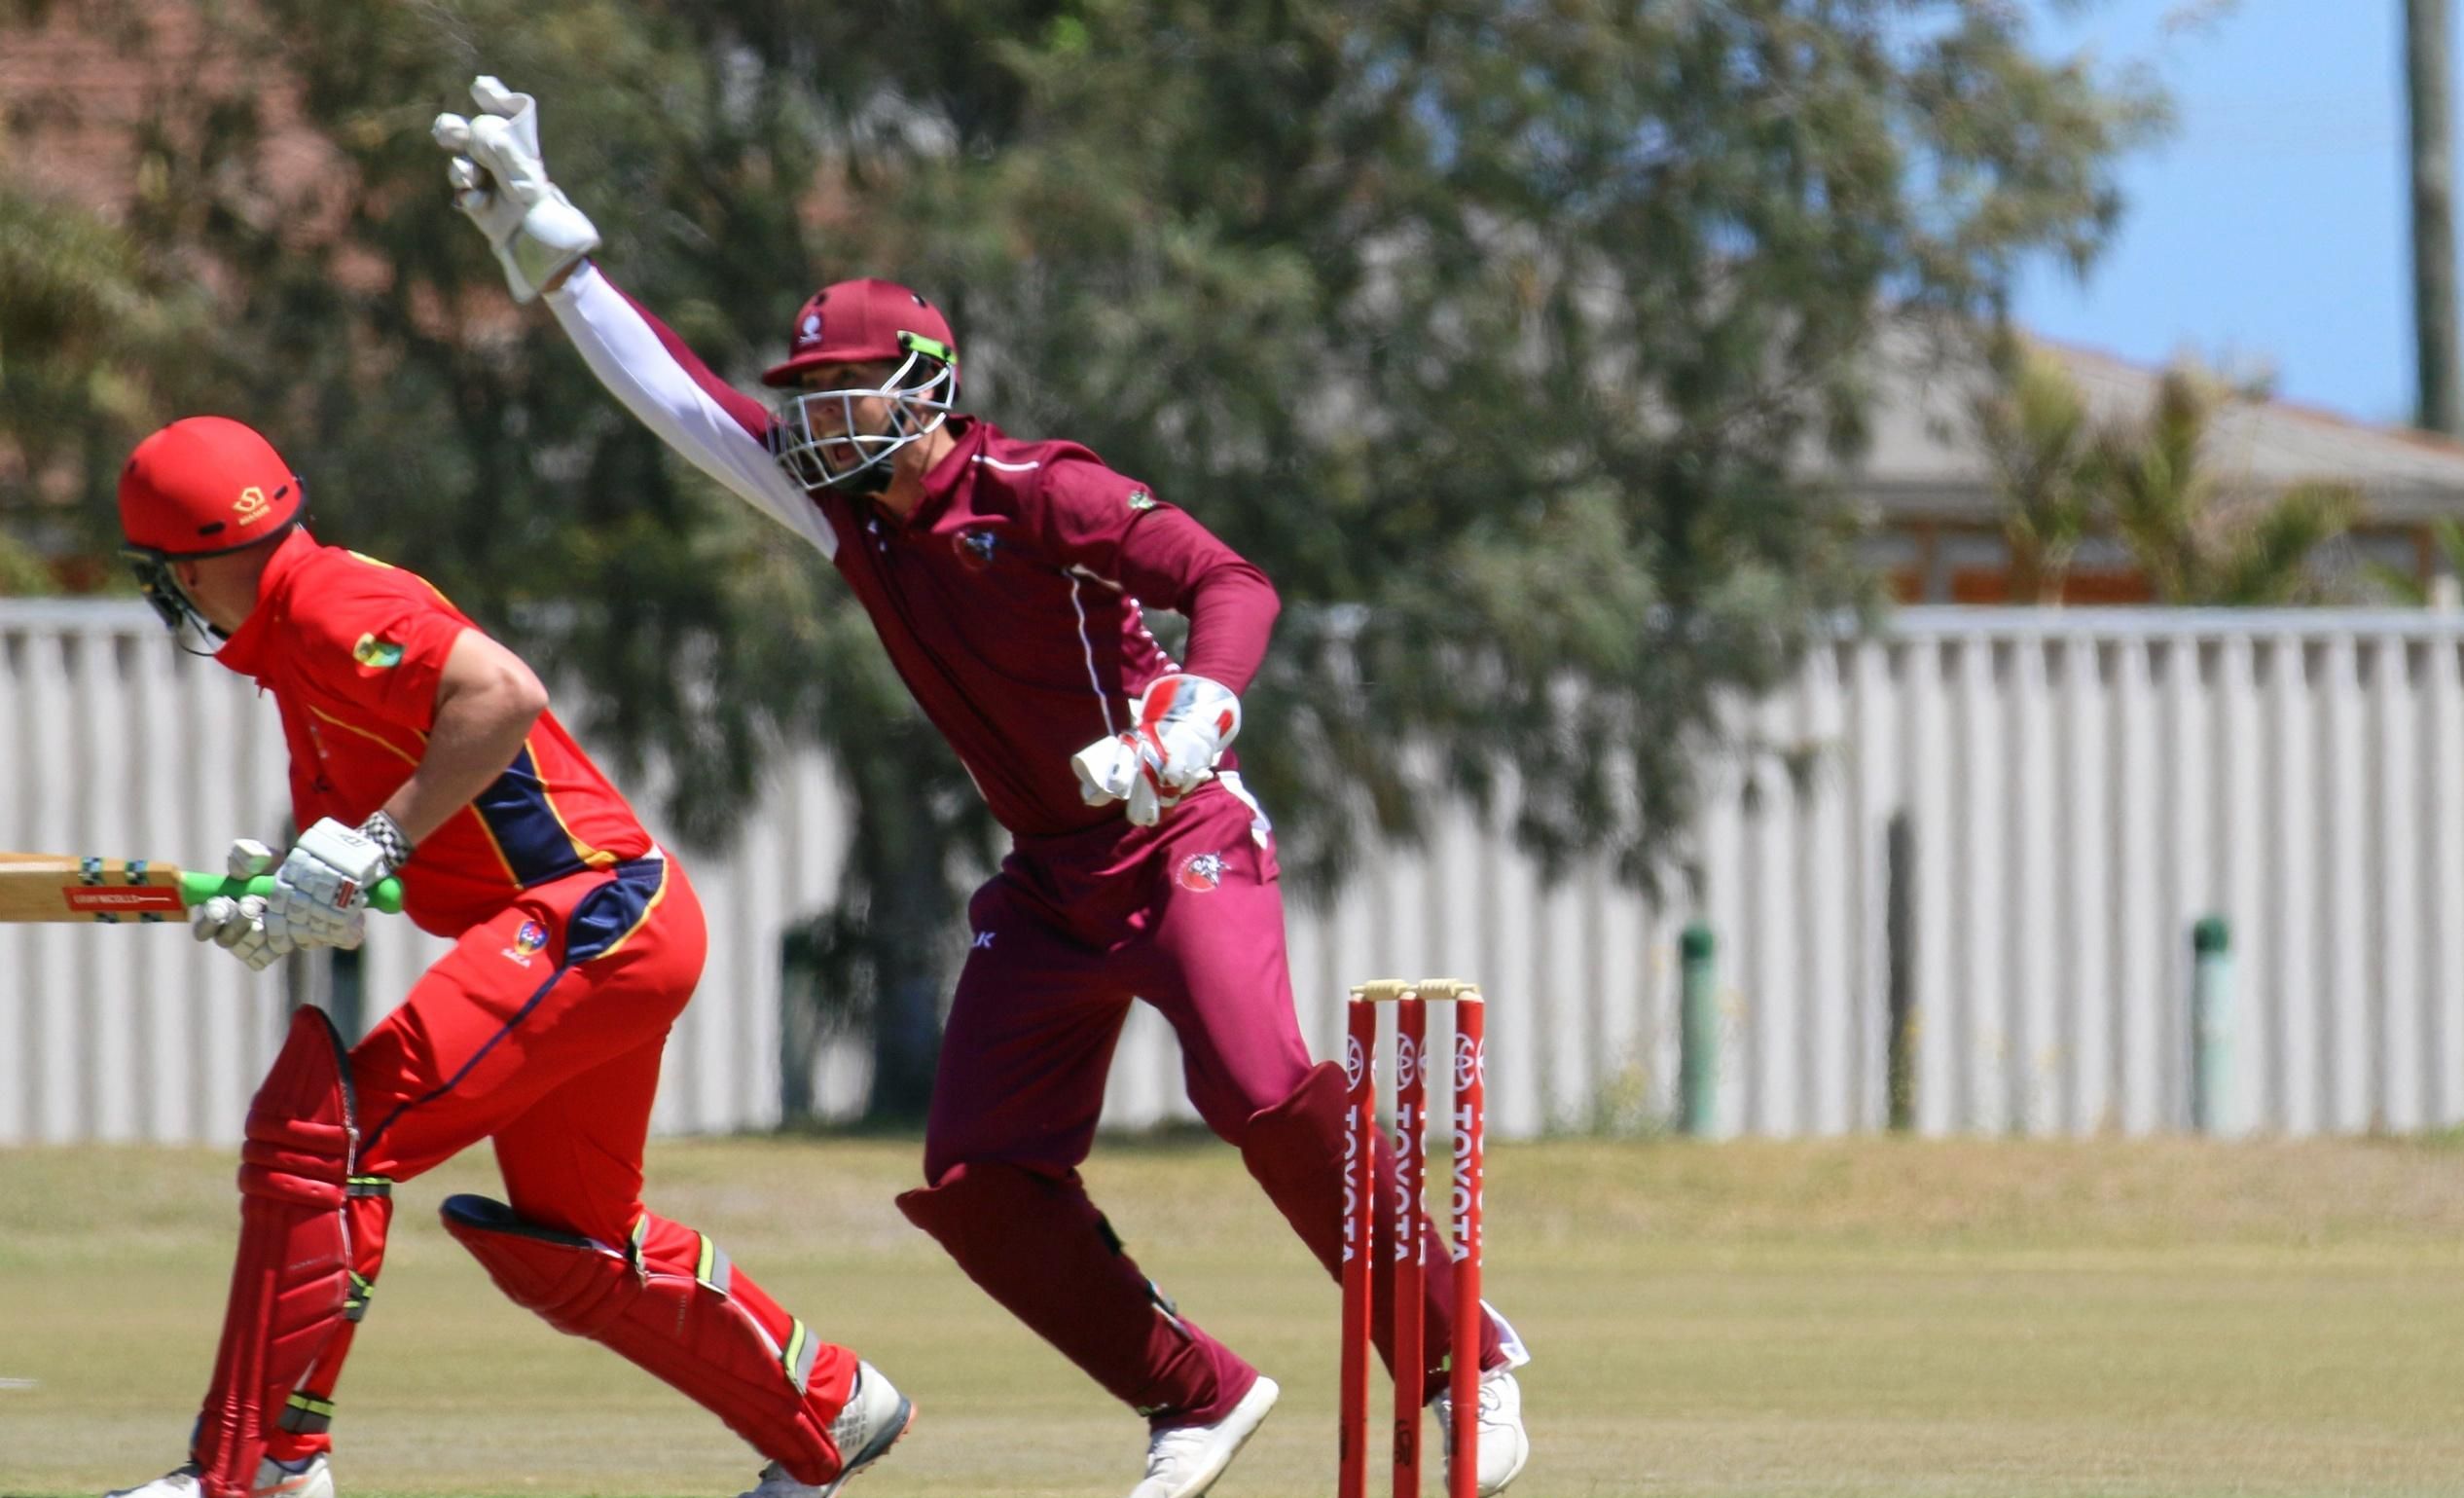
{"x": 850, "y": 323}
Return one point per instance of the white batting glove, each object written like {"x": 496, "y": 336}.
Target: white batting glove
{"x": 247, "y": 857}
{"x": 1182, "y": 725}
{"x": 501, "y": 184}
{"x": 320, "y": 893}
{"x": 238, "y": 926}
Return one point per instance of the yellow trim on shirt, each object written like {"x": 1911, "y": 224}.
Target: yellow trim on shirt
{"x": 361, "y": 556}
{"x": 480, "y": 822}
{"x": 591, "y": 858}
{"x": 472, "y": 809}
{"x": 396, "y": 750}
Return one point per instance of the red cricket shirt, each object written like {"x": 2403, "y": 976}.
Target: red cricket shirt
{"x": 352, "y": 650}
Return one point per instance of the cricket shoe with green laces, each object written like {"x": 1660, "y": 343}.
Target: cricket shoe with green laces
{"x": 1184, "y": 1461}
{"x": 1502, "y": 1446}
{"x": 874, "y": 1416}
{"x": 311, "y": 1477}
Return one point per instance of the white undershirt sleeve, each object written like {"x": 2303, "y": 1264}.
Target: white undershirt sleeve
{"x": 629, "y": 357}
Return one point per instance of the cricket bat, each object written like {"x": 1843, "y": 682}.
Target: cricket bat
{"x": 56, "y": 887}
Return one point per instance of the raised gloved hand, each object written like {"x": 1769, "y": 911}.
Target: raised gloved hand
{"x": 239, "y": 926}
{"x": 1180, "y": 727}
{"x": 320, "y": 893}
{"x": 500, "y": 183}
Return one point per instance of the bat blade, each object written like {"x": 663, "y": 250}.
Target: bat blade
{"x": 51, "y": 886}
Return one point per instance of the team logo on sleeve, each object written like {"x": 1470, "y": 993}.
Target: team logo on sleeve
{"x": 526, "y": 942}
{"x": 1140, "y": 502}
{"x": 1199, "y": 872}
{"x": 374, "y": 655}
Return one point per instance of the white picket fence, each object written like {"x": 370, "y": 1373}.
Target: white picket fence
{"x": 2080, "y": 787}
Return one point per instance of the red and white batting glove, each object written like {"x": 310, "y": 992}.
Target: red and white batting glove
{"x": 239, "y": 926}
{"x": 320, "y": 893}
{"x": 1180, "y": 726}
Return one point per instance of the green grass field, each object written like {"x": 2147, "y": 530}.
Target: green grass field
{"x": 1872, "y": 1317}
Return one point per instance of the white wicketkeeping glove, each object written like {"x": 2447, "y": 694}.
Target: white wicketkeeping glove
{"x": 1182, "y": 726}
{"x": 320, "y": 893}
{"x": 239, "y": 926}
{"x": 501, "y": 184}
{"x": 1107, "y": 772}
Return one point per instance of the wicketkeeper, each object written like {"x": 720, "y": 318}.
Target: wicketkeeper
{"x": 422, "y": 750}
{"x": 1006, "y": 579}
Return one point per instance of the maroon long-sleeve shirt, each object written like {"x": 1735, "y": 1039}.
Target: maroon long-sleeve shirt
{"x": 1011, "y": 602}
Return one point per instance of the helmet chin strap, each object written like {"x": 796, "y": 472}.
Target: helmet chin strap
{"x": 172, "y": 604}
{"x": 193, "y": 625}
{"x": 209, "y": 640}
{"x": 158, "y": 578}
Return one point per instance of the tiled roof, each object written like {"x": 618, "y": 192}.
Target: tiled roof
{"x": 1924, "y": 464}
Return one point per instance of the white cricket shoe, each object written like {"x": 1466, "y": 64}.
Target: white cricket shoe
{"x": 311, "y": 1478}
{"x": 1504, "y": 1447}
{"x": 876, "y": 1415}
{"x": 1184, "y": 1461}
{"x": 181, "y": 1481}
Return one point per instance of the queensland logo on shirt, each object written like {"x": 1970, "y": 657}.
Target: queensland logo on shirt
{"x": 1140, "y": 502}
{"x": 976, "y": 548}
{"x": 375, "y": 655}
{"x": 526, "y": 942}
{"x": 1199, "y": 872}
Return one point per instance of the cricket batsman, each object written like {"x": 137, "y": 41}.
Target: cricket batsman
{"x": 1006, "y": 580}
{"x": 422, "y": 750}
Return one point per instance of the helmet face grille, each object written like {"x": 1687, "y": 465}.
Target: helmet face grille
{"x": 817, "y": 440}
{"x": 170, "y": 602}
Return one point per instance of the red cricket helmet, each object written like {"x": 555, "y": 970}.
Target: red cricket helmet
{"x": 200, "y": 486}
{"x": 204, "y": 485}
{"x": 851, "y": 322}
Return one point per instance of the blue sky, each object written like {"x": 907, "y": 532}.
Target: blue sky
{"x": 2270, "y": 228}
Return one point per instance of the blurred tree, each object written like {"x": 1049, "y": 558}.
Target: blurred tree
{"x": 2407, "y": 585}
{"x": 1504, "y": 337}
{"x": 1520, "y": 325}
{"x": 2199, "y": 539}
{"x": 2061, "y": 475}
{"x": 79, "y": 310}
{"x": 2032, "y": 426}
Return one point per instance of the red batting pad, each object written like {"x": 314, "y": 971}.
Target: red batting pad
{"x": 681, "y": 1311}
{"x": 292, "y": 1275}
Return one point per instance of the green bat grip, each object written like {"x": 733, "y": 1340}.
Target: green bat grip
{"x": 196, "y": 889}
